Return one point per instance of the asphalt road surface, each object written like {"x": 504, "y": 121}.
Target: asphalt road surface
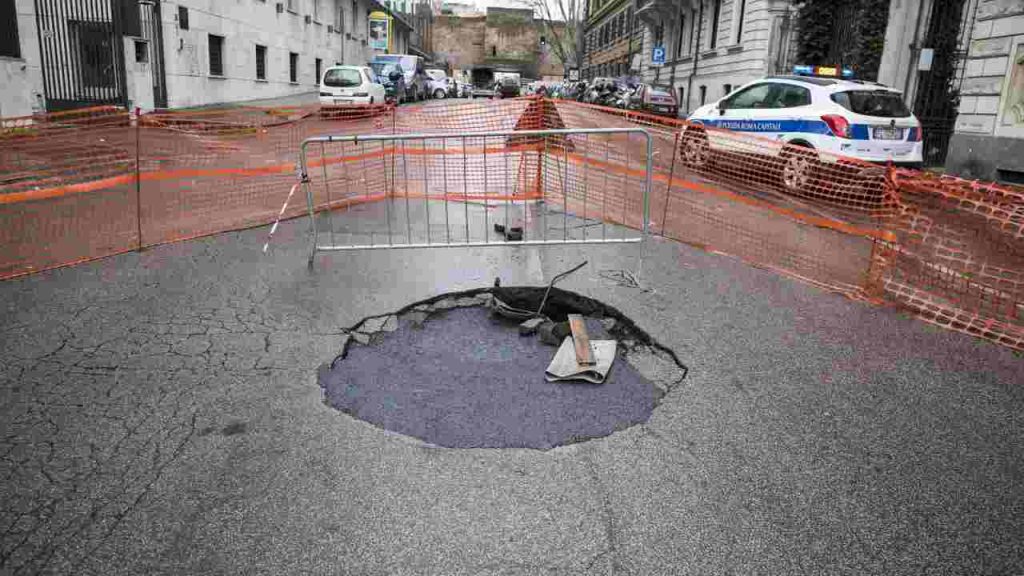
{"x": 159, "y": 414}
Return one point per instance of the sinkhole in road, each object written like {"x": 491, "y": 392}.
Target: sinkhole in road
{"x": 453, "y": 372}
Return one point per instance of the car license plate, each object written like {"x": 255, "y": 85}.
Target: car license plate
{"x": 342, "y": 101}
{"x": 886, "y": 133}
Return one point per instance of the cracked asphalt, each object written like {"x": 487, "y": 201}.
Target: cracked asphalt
{"x": 159, "y": 414}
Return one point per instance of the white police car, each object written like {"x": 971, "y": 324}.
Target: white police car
{"x": 815, "y": 109}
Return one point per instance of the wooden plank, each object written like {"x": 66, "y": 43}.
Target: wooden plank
{"x": 580, "y": 339}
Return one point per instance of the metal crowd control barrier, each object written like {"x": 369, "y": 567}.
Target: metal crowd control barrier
{"x": 368, "y": 186}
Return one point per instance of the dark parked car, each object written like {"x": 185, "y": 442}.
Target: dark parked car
{"x": 392, "y": 77}
{"x": 507, "y": 88}
{"x": 416, "y": 79}
{"x": 655, "y": 99}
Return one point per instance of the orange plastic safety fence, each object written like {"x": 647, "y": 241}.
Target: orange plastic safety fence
{"x": 94, "y": 182}
{"x": 949, "y": 249}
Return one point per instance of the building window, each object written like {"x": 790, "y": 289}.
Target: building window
{"x": 182, "y": 17}
{"x": 659, "y": 35}
{"x": 316, "y": 10}
{"x": 261, "y": 62}
{"x": 9, "y": 44}
{"x": 693, "y": 26}
{"x": 703, "y": 94}
{"x": 681, "y": 35}
{"x": 737, "y": 19}
{"x": 726, "y": 89}
{"x": 141, "y": 51}
{"x": 293, "y": 67}
{"x": 716, "y": 12}
{"x": 355, "y": 10}
{"x": 494, "y": 50}
{"x": 319, "y": 69}
{"x": 682, "y": 98}
{"x": 216, "y": 55}
{"x": 291, "y": 6}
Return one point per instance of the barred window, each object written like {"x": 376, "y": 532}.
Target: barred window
{"x": 216, "y": 55}
{"x": 9, "y": 44}
{"x": 261, "y": 62}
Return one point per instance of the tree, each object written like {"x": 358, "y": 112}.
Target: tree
{"x": 563, "y": 23}
{"x": 814, "y": 21}
{"x": 851, "y": 33}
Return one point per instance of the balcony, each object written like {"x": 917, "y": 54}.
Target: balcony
{"x": 653, "y": 12}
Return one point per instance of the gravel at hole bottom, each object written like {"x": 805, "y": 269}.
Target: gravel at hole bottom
{"x": 465, "y": 380}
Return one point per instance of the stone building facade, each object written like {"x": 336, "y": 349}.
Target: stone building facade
{"x": 612, "y": 39}
{"x": 177, "y": 53}
{"x": 988, "y": 141}
{"x": 503, "y": 39}
{"x": 714, "y": 46}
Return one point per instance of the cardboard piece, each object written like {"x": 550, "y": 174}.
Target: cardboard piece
{"x": 564, "y": 367}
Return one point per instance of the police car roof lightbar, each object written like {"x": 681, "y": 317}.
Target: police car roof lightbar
{"x": 826, "y": 71}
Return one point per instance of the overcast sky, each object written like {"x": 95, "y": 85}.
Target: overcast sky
{"x": 483, "y": 4}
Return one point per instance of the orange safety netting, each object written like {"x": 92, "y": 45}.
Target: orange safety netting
{"x": 95, "y": 182}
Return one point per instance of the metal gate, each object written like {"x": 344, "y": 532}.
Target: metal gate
{"x": 152, "y": 32}
{"x": 938, "y": 90}
{"x": 82, "y": 52}
{"x": 502, "y": 188}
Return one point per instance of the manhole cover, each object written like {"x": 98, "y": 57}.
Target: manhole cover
{"x": 454, "y": 373}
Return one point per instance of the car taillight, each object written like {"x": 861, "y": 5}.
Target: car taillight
{"x": 915, "y": 134}
{"x": 837, "y": 124}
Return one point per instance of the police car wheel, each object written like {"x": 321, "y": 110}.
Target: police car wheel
{"x": 695, "y": 150}
{"x": 798, "y": 165}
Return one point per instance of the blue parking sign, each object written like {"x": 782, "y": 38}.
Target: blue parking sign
{"x": 658, "y": 56}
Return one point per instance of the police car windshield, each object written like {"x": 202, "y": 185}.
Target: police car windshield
{"x": 878, "y": 103}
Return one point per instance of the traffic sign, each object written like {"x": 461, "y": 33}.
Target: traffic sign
{"x": 658, "y": 56}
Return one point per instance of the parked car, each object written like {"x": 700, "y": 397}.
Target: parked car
{"x": 654, "y": 99}
{"x": 350, "y": 85}
{"x": 507, "y": 87}
{"x": 416, "y": 80}
{"x": 441, "y": 86}
{"x": 392, "y": 77}
{"x": 485, "y": 91}
{"x": 465, "y": 89}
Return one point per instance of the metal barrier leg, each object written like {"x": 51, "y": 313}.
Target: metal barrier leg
{"x": 648, "y": 184}
{"x": 309, "y": 203}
